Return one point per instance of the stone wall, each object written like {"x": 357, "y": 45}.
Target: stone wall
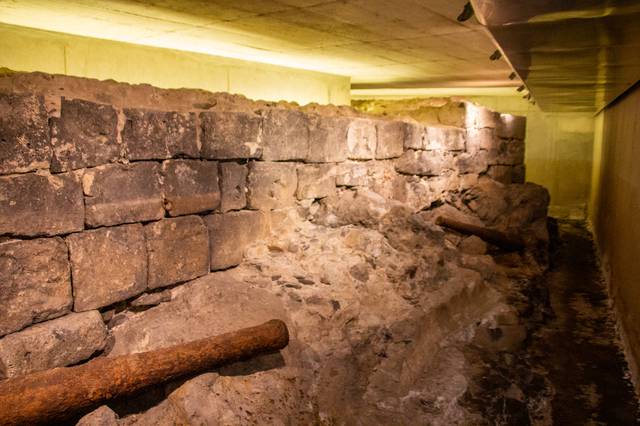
{"x": 104, "y": 207}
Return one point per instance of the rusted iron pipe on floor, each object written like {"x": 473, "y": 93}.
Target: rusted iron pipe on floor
{"x": 60, "y": 392}
{"x": 492, "y": 236}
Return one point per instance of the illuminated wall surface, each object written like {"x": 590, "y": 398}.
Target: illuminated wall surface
{"x": 26, "y": 49}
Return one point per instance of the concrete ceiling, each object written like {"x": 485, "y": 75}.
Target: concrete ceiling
{"x": 378, "y": 43}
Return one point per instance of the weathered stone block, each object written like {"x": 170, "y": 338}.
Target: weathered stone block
{"x": 327, "y": 139}
{"x": 285, "y": 135}
{"x": 103, "y": 416}
{"x": 57, "y": 343}
{"x": 481, "y": 139}
{"x": 414, "y": 137}
{"x": 351, "y": 174}
{"x": 507, "y": 152}
{"x": 479, "y": 117}
{"x": 453, "y": 114}
{"x": 85, "y": 135}
{"x": 24, "y": 134}
{"x": 472, "y": 162}
{"x": 156, "y": 135}
{"x": 119, "y": 193}
{"x": 271, "y": 185}
{"x": 361, "y": 139}
{"x": 233, "y": 186}
{"x": 446, "y": 138}
{"x": 190, "y": 186}
{"x": 178, "y": 250}
{"x": 230, "y": 135}
{"x": 511, "y": 126}
{"x": 316, "y": 181}
{"x": 41, "y": 204}
{"x": 390, "y": 137}
{"x": 35, "y": 283}
{"x": 231, "y": 233}
{"x": 518, "y": 174}
{"x": 501, "y": 173}
{"x": 108, "y": 265}
{"x": 422, "y": 163}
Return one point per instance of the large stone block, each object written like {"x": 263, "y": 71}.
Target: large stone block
{"x": 85, "y": 135}
{"x": 285, "y": 135}
{"x": 351, "y": 174}
{"x": 230, "y": 135}
{"x": 190, "y": 186}
{"x": 390, "y": 137}
{"x": 518, "y": 174}
{"x": 118, "y": 193}
{"x": 233, "y": 186}
{"x": 502, "y": 174}
{"x": 231, "y": 233}
{"x": 472, "y": 162}
{"x": 316, "y": 181}
{"x": 327, "y": 139}
{"x": 479, "y": 117}
{"x": 108, "y": 265}
{"x": 271, "y": 185}
{"x": 512, "y": 126}
{"x": 446, "y": 138}
{"x": 423, "y": 163}
{"x": 178, "y": 250}
{"x": 414, "y": 137}
{"x": 24, "y": 134}
{"x": 35, "y": 282}
{"x": 361, "y": 139}
{"x": 507, "y": 152}
{"x": 41, "y": 204}
{"x": 156, "y": 135}
{"x": 102, "y": 416}
{"x": 481, "y": 139}
{"x": 57, "y": 343}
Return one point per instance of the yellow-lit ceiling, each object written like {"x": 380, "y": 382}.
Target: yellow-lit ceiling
{"x": 380, "y": 44}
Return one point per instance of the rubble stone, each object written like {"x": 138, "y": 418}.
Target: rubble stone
{"x": 316, "y": 181}
{"x": 24, "y": 134}
{"x": 148, "y": 300}
{"x": 157, "y": 135}
{"x": 473, "y": 245}
{"x": 390, "y": 137}
{"x": 190, "y": 186}
{"x": 445, "y": 138}
{"x": 327, "y": 139}
{"x": 230, "y": 135}
{"x": 40, "y": 204}
{"x": 35, "y": 281}
{"x": 85, "y": 135}
{"x": 56, "y": 343}
{"x": 271, "y": 185}
{"x": 108, "y": 265}
{"x": 422, "y": 163}
{"x": 518, "y": 174}
{"x": 285, "y": 135}
{"x": 502, "y": 174}
{"x": 118, "y": 193}
{"x": 230, "y": 234}
{"x": 473, "y": 163}
{"x": 102, "y": 416}
{"x": 361, "y": 139}
{"x": 233, "y": 186}
{"x": 178, "y": 250}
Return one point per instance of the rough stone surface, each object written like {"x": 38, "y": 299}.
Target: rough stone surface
{"x": 478, "y": 139}
{"x": 85, "y": 135}
{"x": 271, "y": 185}
{"x": 156, "y": 135}
{"x": 473, "y": 163}
{"x": 231, "y": 233}
{"x": 511, "y": 126}
{"x": 502, "y": 174}
{"x": 148, "y": 300}
{"x": 316, "y": 181}
{"x": 327, "y": 139}
{"x": 190, "y": 186}
{"x": 415, "y": 136}
{"x": 351, "y": 174}
{"x": 473, "y": 245}
{"x": 108, "y": 265}
{"x": 56, "y": 343}
{"x": 361, "y": 139}
{"x": 390, "y": 137}
{"x": 422, "y": 163}
{"x": 285, "y": 135}
{"x": 230, "y": 135}
{"x": 518, "y": 174}
{"x": 103, "y": 416}
{"x": 445, "y": 138}
{"x": 233, "y": 186}
{"x": 24, "y": 134}
{"x": 35, "y": 282}
{"x": 480, "y": 117}
{"x": 40, "y": 204}
{"x": 507, "y": 152}
{"x": 119, "y": 193}
{"x": 178, "y": 250}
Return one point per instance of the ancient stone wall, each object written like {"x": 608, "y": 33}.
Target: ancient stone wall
{"x": 106, "y": 207}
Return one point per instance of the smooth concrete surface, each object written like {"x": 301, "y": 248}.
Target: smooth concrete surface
{"x": 614, "y": 215}
{"x": 26, "y": 49}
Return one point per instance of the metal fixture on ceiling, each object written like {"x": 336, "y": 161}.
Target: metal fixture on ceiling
{"x": 574, "y": 55}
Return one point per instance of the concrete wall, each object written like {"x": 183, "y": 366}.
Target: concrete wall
{"x": 559, "y": 152}
{"x": 614, "y": 208}
{"x": 26, "y": 49}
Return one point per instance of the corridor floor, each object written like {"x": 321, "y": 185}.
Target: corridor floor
{"x": 578, "y": 346}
